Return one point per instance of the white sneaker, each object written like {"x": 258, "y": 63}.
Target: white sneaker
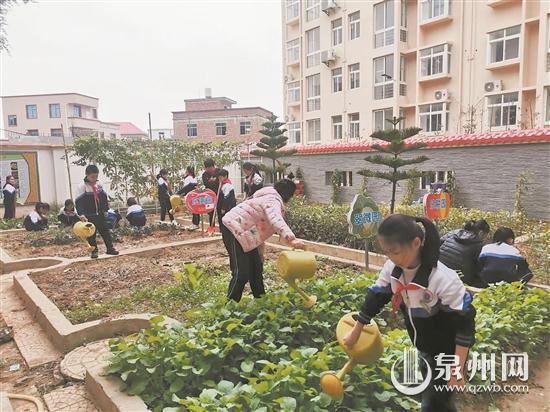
{"x": 174, "y": 223}
{"x": 193, "y": 227}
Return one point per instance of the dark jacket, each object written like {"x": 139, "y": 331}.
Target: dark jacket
{"x": 86, "y": 203}
{"x": 227, "y": 200}
{"x": 460, "y": 251}
{"x": 252, "y": 184}
{"x": 164, "y": 191}
{"x": 10, "y": 195}
{"x": 67, "y": 218}
{"x": 214, "y": 185}
{"x": 502, "y": 262}
{"x": 136, "y": 216}
{"x": 33, "y": 222}
{"x": 189, "y": 184}
{"x": 438, "y": 314}
{"x": 113, "y": 217}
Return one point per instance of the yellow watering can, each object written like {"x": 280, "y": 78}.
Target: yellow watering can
{"x": 366, "y": 351}
{"x": 83, "y": 230}
{"x": 295, "y": 265}
{"x": 176, "y": 203}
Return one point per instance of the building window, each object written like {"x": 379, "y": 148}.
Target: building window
{"x": 221, "y": 129}
{"x": 55, "y": 110}
{"x": 354, "y": 76}
{"x": 432, "y": 9}
{"x": 346, "y": 178}
{"x": 383, "y": 77}
{"x": 434, "y": 117}
{"x": 383, "y": 23}
{"x": 314, "y": 131}
{"x": 313, "y": 55}
{"x": 547, "y": 106}
{"x": 57, "y": 132}
{"x": 402, "y": 76}
{"x": 94, "y": 113}
{"x": 504, "y": 44}
{"x": 12, "y": 120}
{"x": 381, "y": 117}
{"x": 32, "y": 111}
{"x": 502, "y": 109}
{"x": 294, "y": 132}
{"x": 32, "y": 132}
{"x": 313, "y": 92}
{"x": 432, "y": 177}
{"x": 313, "y": 9}
{"x": 292, "y": 9}
{"x": 354, "y": 127}
{"x": 192, "y": 130}
{"x": 245, "y": 127}
{"x": 293, "y": 51}
{"x": 77, "y": 110}
{"x": 161, "y": 135}
{"x": 336, "y": 32}
{"x": 337, "y": 80}
{"x": 337, "y": 127}
{"x": 403, "y": 28}
{"x": 354, "y": 25}
{"x": 293, "y": 92}
{"x": 113, "y": 135}
{"x": 435, "y": 60}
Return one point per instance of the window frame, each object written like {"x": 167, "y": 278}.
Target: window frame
{"x": 58, "y": 131}
{"x": 444, "y": 113}
{"x": 313, "y": 57}
{"x": 337, "y": 79}
{"x": 28, "y": 133}
{"x": 77, "y": 113}
{"x": 354, "y": 76}
{"x": 192, "y": 126}
{"x": 354, "y": 126}
{"x": 247, "y": 129}
{"x": 313, "y": 85}
{"x": 387, "y": 92}
{"x": 354, "y": 25}
{"x": 432, "y": 57}
{"x": 502, "y": 105}
{"x": 337, "y": 127}
{"x": 293, "y": 91}
{"x": 446, "y": 10}
{"x": 52, "y": 112}
{"x": 291, "y": 50}
{"x": 504, "y": 39}
{"x": 385, "y": 125}
{"x": 313, "y": 9}
{"x": 29, "y": 112}
{"x": 10, "y": 118}
{"x": 293, "y": 131}
{"x": 387, "y": 32}
{"x": 547, "y": 105}
{"x": 292, "y": 5}
{"x": 336, "y": 32}
{"x": 221, "y": 126}
{"x": 309, "y": 123}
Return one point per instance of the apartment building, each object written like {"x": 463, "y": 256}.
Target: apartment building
{"x": 214, "y": 119}
{"x": 69, "y": 114}
{"x": 447, "y": 66}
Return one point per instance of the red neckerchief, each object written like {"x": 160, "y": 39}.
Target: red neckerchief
{"x": 96, "y": 192}
{"x": 168, "y": 185}
{"x": 397, "y": 299}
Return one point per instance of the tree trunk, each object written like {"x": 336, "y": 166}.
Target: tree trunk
{"x": 393, "y": 188}
{"x": 274, "y": 172}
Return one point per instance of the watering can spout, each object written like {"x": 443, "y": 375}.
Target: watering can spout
{"x": 297, "y": 265}
{"x": 83, "y": 230}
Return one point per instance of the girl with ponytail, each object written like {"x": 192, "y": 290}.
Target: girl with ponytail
{"x": 437, "y": 308}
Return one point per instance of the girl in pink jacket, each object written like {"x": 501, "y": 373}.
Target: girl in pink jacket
{"x": 251, "y": 223}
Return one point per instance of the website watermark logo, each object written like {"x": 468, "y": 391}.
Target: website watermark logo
{"x": 412, "y": 373}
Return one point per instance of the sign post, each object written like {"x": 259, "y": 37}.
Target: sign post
{"x": 363, "y": 219}
{"x": 437, "y": 203}
{"x": 201, "y": 203}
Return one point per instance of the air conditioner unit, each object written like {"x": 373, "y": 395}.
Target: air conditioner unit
{"x": 328, "y": 5}
{"x": 494, "y": 86}
{"x": 442, "y": 94}
{"x": 328, "y": 56}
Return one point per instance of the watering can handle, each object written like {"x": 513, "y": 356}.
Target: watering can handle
{"x": 366, "y": 328}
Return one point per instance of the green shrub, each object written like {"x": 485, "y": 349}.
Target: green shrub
{"x": 53, "y": 236}
{"x": 268, "y": 354}
{"x": 11, "y": 224}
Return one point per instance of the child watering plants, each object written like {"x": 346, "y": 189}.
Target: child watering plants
{"x": 250, "y": 224}
{"x": 439, "y": 315}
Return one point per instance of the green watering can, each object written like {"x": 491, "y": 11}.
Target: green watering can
{"x": 295, "y": 265}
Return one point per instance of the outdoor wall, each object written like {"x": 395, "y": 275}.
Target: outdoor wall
{"x": 486, "y": 175}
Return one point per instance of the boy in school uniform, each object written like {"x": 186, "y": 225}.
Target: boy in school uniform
{"x": 67, "y": 215}
{"x": 92, "y": 205}
{"x": 226, "y": 202}
{"x": 210, "y": 180}
{"x": 135, "y": 214}
{"x": 37, "y": 220}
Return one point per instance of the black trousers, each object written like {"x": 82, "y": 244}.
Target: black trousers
{"x": 101, "y": 228}
{"x": 165, "y": 207}
{"x": 227, "y": 238}
{"x": 196, "y": 219}
{"x": 432, "y": 400}
{"x": 9, "y": 210}
{"x": 247, "y": 268}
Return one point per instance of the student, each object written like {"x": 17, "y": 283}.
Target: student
{"x": 113, "y": 217}
{"x": 501, "y": 261}
{"x": 67, "y": 215}
{"x": 190, "y": 184}
{"x": 226, "y": 202}
{"x": 460, "y": 250}
{"x": 437, "y": 308}
{"x": 9, "y": 197}
{"x": 164, "y": 193}
{"x": 135, "y": 214}
{"x": 210, "y": 180}
{"x": 92, "y": 205}
{"x": 250, "y": 224}
{"x": 253, "y": 180}
{"x": 38, "y": 219}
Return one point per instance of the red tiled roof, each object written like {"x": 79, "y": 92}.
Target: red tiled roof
{"x": 129, "y": 128}
{"x": 434, "y": 142}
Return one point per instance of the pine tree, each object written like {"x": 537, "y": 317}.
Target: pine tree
{"x": 392, "y": 155}
{"x": 271, "y": 144}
